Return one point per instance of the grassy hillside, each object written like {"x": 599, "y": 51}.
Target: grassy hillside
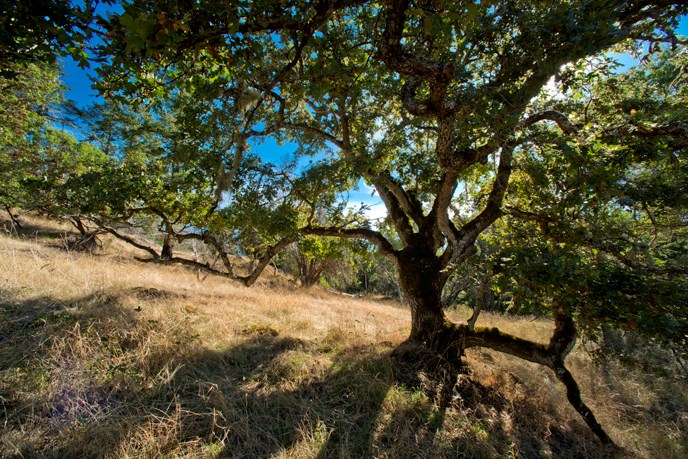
{"x": 103, "y": 356}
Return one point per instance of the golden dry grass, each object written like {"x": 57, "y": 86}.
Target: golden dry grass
{"x": 102, "y": 356}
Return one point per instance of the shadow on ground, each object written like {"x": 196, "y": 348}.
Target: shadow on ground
{"x": 92, "y": 379}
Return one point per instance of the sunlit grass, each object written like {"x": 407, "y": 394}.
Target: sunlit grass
{"x": 103, "y": 356}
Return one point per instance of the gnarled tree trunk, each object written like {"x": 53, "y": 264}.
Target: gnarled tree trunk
{"x": 422, "y": 278}
{"x": 421, "y": 282}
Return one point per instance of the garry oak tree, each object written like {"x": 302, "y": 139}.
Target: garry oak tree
{"x": 442, "y": 108}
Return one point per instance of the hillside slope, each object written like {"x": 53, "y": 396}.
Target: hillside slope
{"x": 103, "y": 356}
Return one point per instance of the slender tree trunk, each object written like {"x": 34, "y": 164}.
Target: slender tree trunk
{"x": 13, "y": 218}
{"x": 166, "y": 252}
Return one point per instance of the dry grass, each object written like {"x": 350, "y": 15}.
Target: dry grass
{"x": 101, "y": 356}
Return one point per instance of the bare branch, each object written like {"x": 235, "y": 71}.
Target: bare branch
{"x": 131, "y": 241}
{"x": 562, "y": 121}
{"x": 373, "y": 236}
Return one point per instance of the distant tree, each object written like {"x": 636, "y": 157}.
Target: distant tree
{"x": 30, "y": 101}
{"x": 65, "y": 180}
{"x": 313, "y": 258}
{"x": 164, "y": 172}
{"x": 375, "y": 274}
{"x": 420, "y": 100}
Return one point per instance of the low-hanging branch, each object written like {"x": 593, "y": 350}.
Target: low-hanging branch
{"x": 552, "y": 356}
{"x": 13, "y": 217}
{"x": 131, "y": 241}
{"x": 352, "y": 233}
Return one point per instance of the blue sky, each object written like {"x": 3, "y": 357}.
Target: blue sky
{"x": 78, "y": 82}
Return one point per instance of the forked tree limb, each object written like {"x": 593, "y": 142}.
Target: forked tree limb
{"x": 551, "y": 356}
{"x": 265, "y": 259}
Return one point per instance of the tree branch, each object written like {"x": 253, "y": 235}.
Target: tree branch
{"x": 492, "y": 211}
{"x": 315, "y": 131}
{"x": 394, "y": 209}
{"x": 394, "y": 55}
{"x": 184, "y": 261}
{"x": 265, "y": 259}
{"x": 629, "y": 262}
{"x": 562, "y": 121}
{"x": 209, "y": 239}
{"x": 373, "y": 236}
{"x": 551, "y": 356}
{"x": 408, "y": 205}
{"x": 131, "y": 241}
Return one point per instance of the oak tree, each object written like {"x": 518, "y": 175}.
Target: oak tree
{"x": 420, "y": 99}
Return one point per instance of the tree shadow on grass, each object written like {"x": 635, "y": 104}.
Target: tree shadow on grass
{"x": 69, "y": 367}
{"x": 291, "y": 398}
{"x": 103, "y": 387}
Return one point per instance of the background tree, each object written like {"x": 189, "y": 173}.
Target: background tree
{"x": 31, "y": 149}
{"x": 313, "y": 257}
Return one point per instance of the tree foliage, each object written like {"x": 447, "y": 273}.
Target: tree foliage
{"x": 37, "y": 31}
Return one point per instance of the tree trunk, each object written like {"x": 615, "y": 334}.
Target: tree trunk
{"x": 166, "y": 252}
{"x": 13, "y": 218}
{"x": 88, "y": 239}
{"x": 422, "y": 279}
{"x": 308, "y": 273}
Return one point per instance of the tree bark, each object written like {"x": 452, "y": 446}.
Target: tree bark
{"x": 166, "y": 251}
{"x": 422, "y": 278}
{"x": 421, "y": 281}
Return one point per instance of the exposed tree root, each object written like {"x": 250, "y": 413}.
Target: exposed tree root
{"x": 457, "y": 337}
